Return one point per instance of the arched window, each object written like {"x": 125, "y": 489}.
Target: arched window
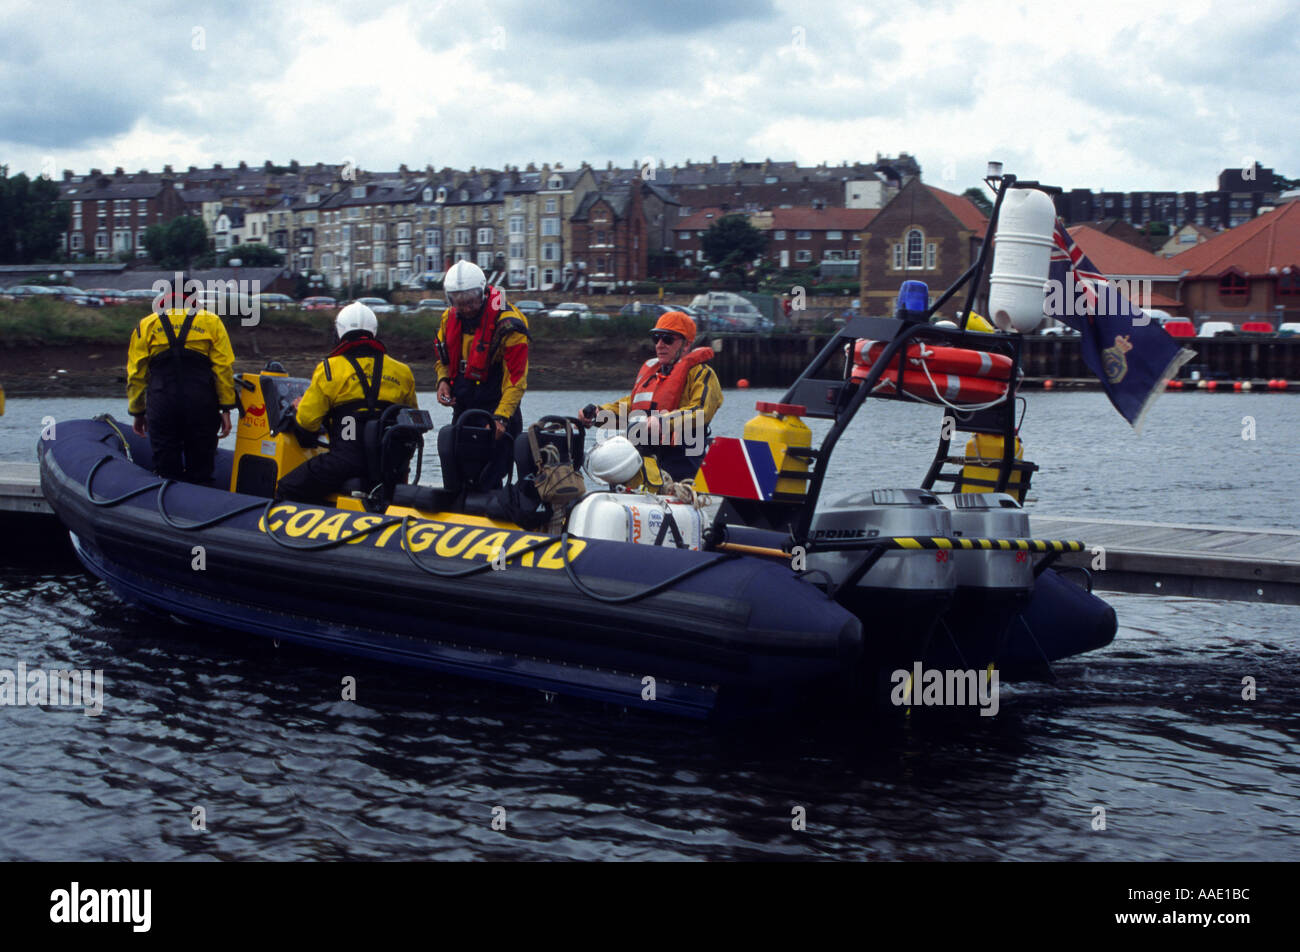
{"x": 1233, "y": 286}
{"x": 915, "y": 249}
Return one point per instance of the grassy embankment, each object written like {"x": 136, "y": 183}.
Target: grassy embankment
{"x": 51, "y": 347}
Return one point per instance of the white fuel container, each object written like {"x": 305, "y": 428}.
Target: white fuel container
{"x": 637, "y": 517}
{"x": 1022, "y": 252}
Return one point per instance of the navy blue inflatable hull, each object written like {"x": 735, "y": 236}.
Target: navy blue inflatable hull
{"x": 737, "y": 632}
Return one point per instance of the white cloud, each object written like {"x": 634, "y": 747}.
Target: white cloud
{"x": 1154, "y": 95}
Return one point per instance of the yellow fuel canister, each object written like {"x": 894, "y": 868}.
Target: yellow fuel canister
{"x": 780, "y": 426}
{"x": 984, "y": 456}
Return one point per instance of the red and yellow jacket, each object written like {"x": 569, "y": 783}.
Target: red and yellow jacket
{"x": 498, "y": 346}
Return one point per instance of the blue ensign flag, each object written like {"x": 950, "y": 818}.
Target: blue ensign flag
{"x": 1131, "y": 354}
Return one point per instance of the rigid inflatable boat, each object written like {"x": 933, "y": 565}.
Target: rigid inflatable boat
{"x": 746, "y": 594}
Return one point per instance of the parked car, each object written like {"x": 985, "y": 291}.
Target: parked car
{"x": 1289, "y": 329}
{"x": 108, "y": 296}
{"x": 1180, "y": 327}
{"x": 572, "y": 309}
{"x": 530, "y": 308}
{"x": 1256, "y": 327}
{"x": 738, "y": 313}
{"x": 1217, "y": 329}
{"x": 32, "y": 290}
{"x": 274, "y": 302}
{"x": 378, "y": 305}
{"x": 431, "y": 304}
{"x": 646, "y": 309}
{"x": 319, "y": 302}
{"x": 1058, "y": 329}
{"x": 139, "y": 294}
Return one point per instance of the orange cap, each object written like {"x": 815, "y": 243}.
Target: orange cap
{"x": 677, "y": 322}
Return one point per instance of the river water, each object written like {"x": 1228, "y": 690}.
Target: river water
{"x": 1151, "y": 734}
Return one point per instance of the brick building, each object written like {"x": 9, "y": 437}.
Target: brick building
{"x": 924, "y": 234}
{"x": 108, "y": 215}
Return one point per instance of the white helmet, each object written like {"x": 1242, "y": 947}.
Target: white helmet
{"x": 464, "y": 276}
{"x": 356, "y": 317}
{"x": 614, "y": 461}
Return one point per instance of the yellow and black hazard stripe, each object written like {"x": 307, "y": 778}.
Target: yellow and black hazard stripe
{"x": 1006, "y": 545}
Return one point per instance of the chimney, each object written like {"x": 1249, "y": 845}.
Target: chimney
{"x": 119, "y": 172}
{"x": 193, "y": 169}
{"x": 243, "y": 166}
{"x": 216, "y": 166}
{"x": 67, "y": 175}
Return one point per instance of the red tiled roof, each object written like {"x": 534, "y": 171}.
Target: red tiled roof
{"x": 962, "y": 208}
{"x": 1271, "y": 240}
{"x": 1114, "y": 257}
{"x": 822, "y": 219}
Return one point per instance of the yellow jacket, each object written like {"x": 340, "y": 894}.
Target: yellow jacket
{"x": 207, "y": 337}
{"x": 702, "y": 393}
{"x": 510, "y": 360}
{"x": 334, "y": 382}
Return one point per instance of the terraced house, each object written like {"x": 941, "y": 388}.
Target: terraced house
{"x": 108, "y": 215}
{"x": 366, "y": 233}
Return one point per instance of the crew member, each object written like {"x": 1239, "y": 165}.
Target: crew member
{"x": 678, "y": 391}
{"x": 354, "y": 384}
{"x": 483, "y": 361}
{"x": 180, "y": 389}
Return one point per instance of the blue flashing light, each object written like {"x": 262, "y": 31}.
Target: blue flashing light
{"x": 913, "y": 296}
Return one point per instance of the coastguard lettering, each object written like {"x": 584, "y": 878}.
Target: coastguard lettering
{"x": 447, "y": 540}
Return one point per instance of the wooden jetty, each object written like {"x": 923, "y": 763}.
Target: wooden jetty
{"x": 1198, "y": 561}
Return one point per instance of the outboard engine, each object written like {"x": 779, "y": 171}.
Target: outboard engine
{"x": 901, "y": 597}
{"x": 993, "y": 585}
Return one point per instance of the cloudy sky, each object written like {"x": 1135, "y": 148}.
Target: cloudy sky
{"x": 1157, "y": 94}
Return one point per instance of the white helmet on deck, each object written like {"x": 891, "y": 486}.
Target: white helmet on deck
{"x": 356, "y": 317}
{"x": 464, "y": 276}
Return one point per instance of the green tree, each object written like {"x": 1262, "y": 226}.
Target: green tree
{"x": 31, "y": 218}
{"x": 177, "y": 243}
{"x": 979, "y": 200}
{"x": 255, "y": 256}
{"x": 732, "y": 242}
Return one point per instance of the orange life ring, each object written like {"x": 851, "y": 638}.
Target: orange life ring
{"x": 940, "y": 360}
{"x": 951, "y": 387}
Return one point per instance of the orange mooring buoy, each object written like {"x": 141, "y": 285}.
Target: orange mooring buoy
{"x": 743, "y": 383}
{"x": 1048, "y": 383}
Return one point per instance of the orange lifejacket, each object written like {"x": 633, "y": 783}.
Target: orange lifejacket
{"x": 655, "y": 390}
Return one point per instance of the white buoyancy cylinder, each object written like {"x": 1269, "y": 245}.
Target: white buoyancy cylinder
{"x": 639, "y": 518}
{"x": 1022, "y": 253}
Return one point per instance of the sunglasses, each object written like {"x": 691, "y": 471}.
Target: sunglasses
{"x": 666, "y": 337}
